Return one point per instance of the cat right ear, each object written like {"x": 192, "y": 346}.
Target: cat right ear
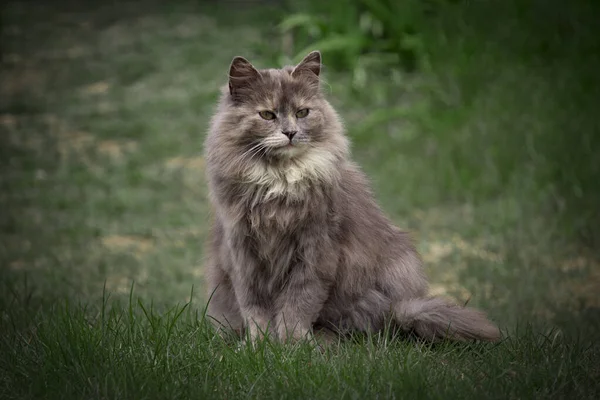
{"x": 241, "y": 75}
{"x": 311, "y": 63}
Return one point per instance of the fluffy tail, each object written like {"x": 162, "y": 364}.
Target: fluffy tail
{"x": 435, "y": 318}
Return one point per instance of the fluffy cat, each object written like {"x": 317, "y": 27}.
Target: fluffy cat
{"x": 298, "y": 241}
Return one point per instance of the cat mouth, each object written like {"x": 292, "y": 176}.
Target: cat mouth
{"x": 284, "y": 146}
{"x": 288, "y": 150}
{"x": 293, "y": 144}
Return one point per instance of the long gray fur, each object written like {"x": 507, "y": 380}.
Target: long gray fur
{"x": 298, "y": 241}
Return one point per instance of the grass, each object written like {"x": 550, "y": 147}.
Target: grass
{"x": 132, "y": 351}
{"x": 489, "y": 160}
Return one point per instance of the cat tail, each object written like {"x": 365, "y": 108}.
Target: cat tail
{"x": 435, "y": 318}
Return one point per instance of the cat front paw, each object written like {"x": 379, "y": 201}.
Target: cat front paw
{"x": 292, "y": 333}
{"x": 257, "y": 329}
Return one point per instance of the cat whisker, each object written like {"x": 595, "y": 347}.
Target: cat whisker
{"x": 251, "y": 152}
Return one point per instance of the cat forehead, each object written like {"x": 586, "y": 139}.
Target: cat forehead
{"x": 278, "y": 87}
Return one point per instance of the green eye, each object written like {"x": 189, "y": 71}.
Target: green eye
{"x": 302, "y": 113}
{"x": 268, "y": 115}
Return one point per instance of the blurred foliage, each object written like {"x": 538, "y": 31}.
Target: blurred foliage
{"x": 357, "y": 35}
{"x": 505, "y": 91}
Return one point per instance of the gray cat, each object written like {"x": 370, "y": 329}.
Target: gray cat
{"x": 298, "y": 242}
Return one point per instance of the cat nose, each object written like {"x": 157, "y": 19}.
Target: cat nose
{"x": 290, "y": 134}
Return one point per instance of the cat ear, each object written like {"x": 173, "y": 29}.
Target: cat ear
{"x": 241, "y": 74}
{"x": 310, "y": 65}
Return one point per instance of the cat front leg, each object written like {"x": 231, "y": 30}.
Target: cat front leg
{"x": 254, "y": 308}
{"x": 300, "y": 304}
{"x": 223, "y": 308}
{"x": 254, "y": 301}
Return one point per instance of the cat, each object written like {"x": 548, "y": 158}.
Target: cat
{"x": 298, "y": 242}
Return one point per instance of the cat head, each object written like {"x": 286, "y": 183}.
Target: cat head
{"x": 276, "y": 114}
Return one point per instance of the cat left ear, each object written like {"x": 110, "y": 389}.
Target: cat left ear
{"x": 241, "y": 74}
{"x": 311, "y": 64}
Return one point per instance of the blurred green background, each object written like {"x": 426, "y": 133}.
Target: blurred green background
{"x": 477, "y": 122}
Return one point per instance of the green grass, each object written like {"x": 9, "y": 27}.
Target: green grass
{"x": 487, "y": 154}
{"x": 133, "y": 351}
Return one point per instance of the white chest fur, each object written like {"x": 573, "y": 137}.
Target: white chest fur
{"x": 293, "y": 177}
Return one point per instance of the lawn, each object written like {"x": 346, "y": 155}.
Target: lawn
{"x": 491, "y": 163}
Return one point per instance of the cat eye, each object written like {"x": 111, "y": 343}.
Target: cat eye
{"x": 268, "y": 115}
{"x": 302, "y": 113}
